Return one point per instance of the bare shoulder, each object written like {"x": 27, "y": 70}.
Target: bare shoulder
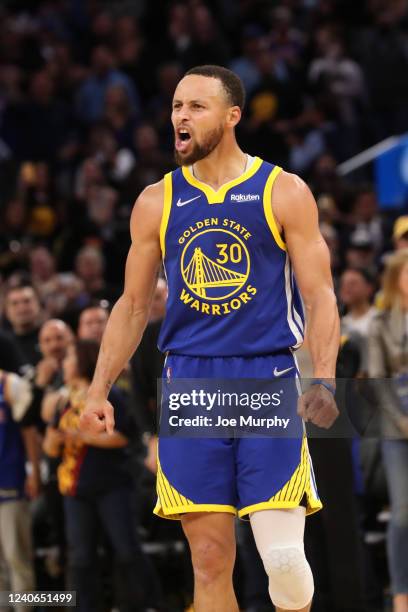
{"x": 292, "y": 200}
{"x": 148, "y": 209}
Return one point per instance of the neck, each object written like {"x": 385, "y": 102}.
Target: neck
{"x": 359, "y": 310}
{"x": 222, "y": 165}
{"x": 404, "y": 303}
{"x": 21, "y": 330}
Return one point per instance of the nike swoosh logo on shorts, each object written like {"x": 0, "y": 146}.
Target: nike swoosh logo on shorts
{"x": 277, "y": 372}
{"x": 180, "y": 203}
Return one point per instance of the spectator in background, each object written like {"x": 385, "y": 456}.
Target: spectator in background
{"x": 24, "y": 313}
{"x": 101, "y": 28}
{"x": 168, "y": 75}
{"x": 55, "y": 395}
{"x": 382, "y": 52}
{"x": 36, "y": 186}
{"x": 324, "y": 180}
{"x": 208, "y": 44}
{"x": 42, "y": 267}
{"x": 360, "y": 253}
{"x": 366, "y": 224}
{"x": 47, "y": 120}
{"x": 179, "y": 33}
{"x": 92, "y": 323}
{"x": 95, "y": 484}
{"x": 101, "y": 204}
{"x": 91, "y": 95}
{"x": 16, "y": 552}
{"x": 65, "y": 72}
{"x": 388, "y": 361}
{"x": 118, "y": 114}
{"x": 151, "y": 162}
{"x": 245, "y": 65}
{"x": 63, "y": 296}
{"x": 307, "y": 142}
{"x": 14, "y": 238}
{"x": 89, "y": 174}
{"x": 135, "y": 57}
{"x": 338, "y": 83}
{"x": 116, "y": 161}
{"x": 356, "y": 293}
{"x": 287, "y": 42}
{"x": 55, "y": 336}
{"x": 400, "y": 233}
{"x": 147, "y": 367}
{"x": 89, "y": 267}
{"x": 12, "y": 78}
{"x": 10, "y": 357}
{"x": 271, "y": 108}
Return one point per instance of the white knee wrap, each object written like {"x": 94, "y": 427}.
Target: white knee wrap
{"x": 290, "y": 577}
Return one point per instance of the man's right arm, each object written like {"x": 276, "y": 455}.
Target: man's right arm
{"x": 129, "y": 316}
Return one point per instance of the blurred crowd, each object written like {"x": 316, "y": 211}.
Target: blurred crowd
{"x": 85, "y": 102}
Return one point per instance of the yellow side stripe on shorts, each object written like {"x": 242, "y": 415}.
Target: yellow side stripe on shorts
{"x": 168, "y": 495}
{"x": 293, "y": 490}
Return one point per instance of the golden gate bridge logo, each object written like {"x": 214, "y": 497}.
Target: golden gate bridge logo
{"x": 207, "y": 277}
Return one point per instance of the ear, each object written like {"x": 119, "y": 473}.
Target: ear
{"x": 233, "y": 116}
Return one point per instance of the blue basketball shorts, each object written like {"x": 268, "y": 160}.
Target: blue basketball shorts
{"x": 234, "y": 475}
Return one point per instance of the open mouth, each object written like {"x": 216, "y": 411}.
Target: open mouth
{"x": 183, "y": 138}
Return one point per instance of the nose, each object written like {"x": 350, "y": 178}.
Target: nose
{"x": 182, "y": 113}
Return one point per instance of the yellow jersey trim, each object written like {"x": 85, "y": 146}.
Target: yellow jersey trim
{"x": 175, "y": 513}
{"x": 292, "y": 493}
{"x": 317, "y": 505}
{"x": 267, "y": 202}
{"x": 168, "y": 194}
{"x": 217, "y": 197}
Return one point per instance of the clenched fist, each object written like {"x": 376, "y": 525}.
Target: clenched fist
{"x": 98, "y": 416}
{"x": 318, "y": 406}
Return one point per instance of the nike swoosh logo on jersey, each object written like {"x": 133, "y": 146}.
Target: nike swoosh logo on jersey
{"x": 184, "y": 202}
{"x": 277, "y": 372}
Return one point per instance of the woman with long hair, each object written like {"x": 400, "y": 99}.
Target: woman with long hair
{"x": 388, "y": 360}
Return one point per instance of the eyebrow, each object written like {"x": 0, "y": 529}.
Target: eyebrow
{"x": 200, "y": 101}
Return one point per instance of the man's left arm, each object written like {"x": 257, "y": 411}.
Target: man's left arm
{"x": 296, "y": 214}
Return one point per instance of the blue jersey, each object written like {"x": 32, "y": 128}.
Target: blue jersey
{"x": 12, "y": 453}
{"x": 232, "y": 290}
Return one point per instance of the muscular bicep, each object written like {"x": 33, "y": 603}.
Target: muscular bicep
{"x": 142, "y": 267}
{"x": 308, "y": 251}
{"x": 311, "y": 262}
{"x": 144, "y": 257}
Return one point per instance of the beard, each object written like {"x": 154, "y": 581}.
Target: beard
{"x": 199, "y": 151}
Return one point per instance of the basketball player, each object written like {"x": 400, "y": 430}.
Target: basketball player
{"x": 233, "y": 232}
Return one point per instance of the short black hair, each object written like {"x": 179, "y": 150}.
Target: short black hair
{"x": 230, "y": 81}
{"x": 365, "y": 273}
{"x": 19, "y": 283}
{"x": 87, "y": 352}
